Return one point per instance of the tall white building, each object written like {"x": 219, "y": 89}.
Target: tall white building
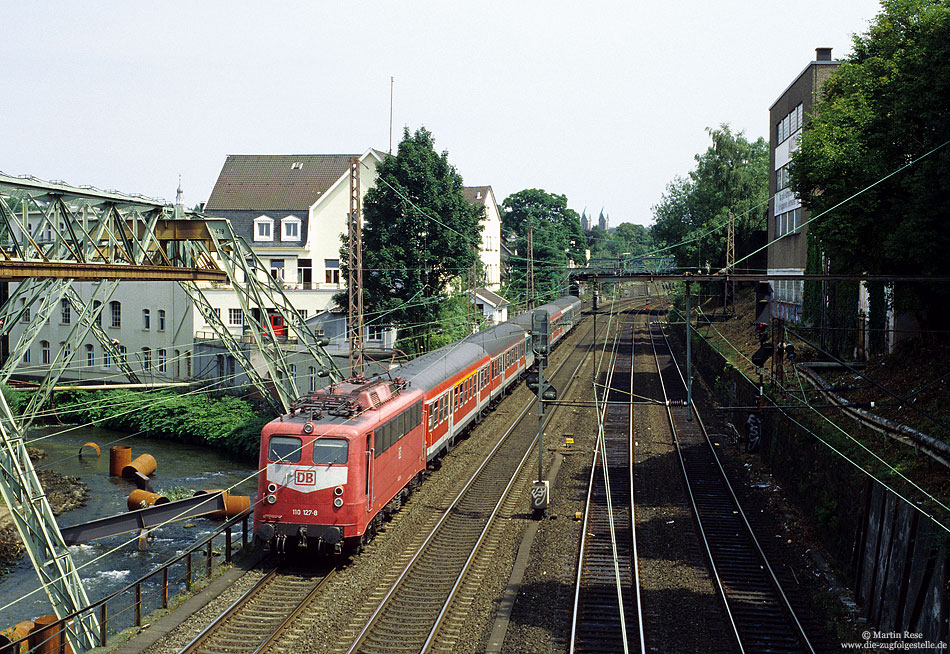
{"x": 490, "y": 248}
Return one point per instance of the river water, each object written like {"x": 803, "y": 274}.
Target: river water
{"x": 109, "y": 564}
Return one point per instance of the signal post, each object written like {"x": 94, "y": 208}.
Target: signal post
{"x": 541, "y": 346}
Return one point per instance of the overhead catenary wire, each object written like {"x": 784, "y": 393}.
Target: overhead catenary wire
{"x": 853, "y": 463}
{"x": 252, "y": 475}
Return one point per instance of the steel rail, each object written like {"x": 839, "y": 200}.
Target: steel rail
{"x": 776, "y": 585}
{"x": 458, "y": 583}
{"x": 587, "y": 508}
{"x": 741, "y": 512}
{"x": 601, "y": 451}
{"x": 384, "y": 602}
{"x": 259, "y": 587}
{"x": 236, "y": 606}
{"x": 692, "y": 497}
{"x": 293, "y": 615}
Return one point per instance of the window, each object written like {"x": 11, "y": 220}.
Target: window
{"x": 235, "y": 316}
{"x": 333, "y": 270}
{"x": 277, "y": 269}
{"x": 106, "y": 359}
{"x": 123, "y": 354}
{"x": 305, "y": 273}
{"x": 26, "y": 356}
{"x": 302, "y": 313}
{"x": 329, "y": 451}
{"x": 263, "y": 228}
{"x": 188, "y": 363}
{"x": 374, "y": 333}
{"x": 284, "y": 449}
{"x": 781, "y": 178}
{"x": 177, "y": 360}
{"x": 90, "y": 356}
{"x": 66, "y": 312}
{"x": 115, "y": 310}
{"x": 290, "y": 229}
{"x": 44, "y": 352}
{"x": 146, "y": 359}
{"x": 162, "y": 356}
{"x": 789, "y": 222}
{"x": 161, "y": 320}
{"x": 146, "y": 319}
{"x": 66, "y": 350}
{"x": 790, "y": 124}
{"x": 292, "y": 370}
{"x": 312, "y": 378}
{"x": 97, "y": 309}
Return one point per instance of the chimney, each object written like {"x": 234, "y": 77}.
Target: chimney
{"x": 822, "y": 54}
{"x": 478, "y": 195}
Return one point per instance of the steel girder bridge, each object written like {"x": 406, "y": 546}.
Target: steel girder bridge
{"x": 52, "y": 234}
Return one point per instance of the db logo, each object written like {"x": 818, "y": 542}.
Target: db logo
{"x": 305, "y": 477}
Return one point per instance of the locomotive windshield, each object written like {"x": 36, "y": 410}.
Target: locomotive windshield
{"x": 284, "y": 448}
{"x": 330, "y": 451}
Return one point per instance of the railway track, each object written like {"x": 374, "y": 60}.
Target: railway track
{"x": 258, "y": 618}
{"x": 423, "y": 609}
{"x": 607, "y": 604}
{"x": 757, "y": 609}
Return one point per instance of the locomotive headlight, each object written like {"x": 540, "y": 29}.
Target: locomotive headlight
{"x": 272, "y": 488}
{"x": 338, "y": 502}
{"x": 338, "y": 490}
{"x": 271, "y": 499}
{"x": 308, "y": 428}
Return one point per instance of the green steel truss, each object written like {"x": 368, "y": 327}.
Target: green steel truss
{"x": 60, "y": 230}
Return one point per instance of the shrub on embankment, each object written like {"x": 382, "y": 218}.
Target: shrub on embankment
{"x": 226, "y": 423}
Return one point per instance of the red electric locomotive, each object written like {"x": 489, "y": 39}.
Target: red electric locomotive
{"x": 342, "y": 457}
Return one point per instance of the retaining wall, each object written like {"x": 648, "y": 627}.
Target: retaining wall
{"x": 894, "y": 557}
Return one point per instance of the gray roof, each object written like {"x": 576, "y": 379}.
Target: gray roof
{"x": 476, "y": 194}
{"x": 493, "y": 298}
{"x": 281, "y": 182}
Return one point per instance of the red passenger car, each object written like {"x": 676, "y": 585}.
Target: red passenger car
{"x": 347, "y": 455}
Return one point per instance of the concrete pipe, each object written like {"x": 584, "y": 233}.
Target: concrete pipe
{"x": 144, "y": 464}
{"x": 119, "y": 457}
{"x": 90, "y": 448}
{"x": 45, "y": 636}
{"x": 141, "y": 499}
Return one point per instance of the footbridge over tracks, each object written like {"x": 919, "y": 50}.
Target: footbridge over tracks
{"x": 52, "y": 234}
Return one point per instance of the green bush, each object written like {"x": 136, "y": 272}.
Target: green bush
{"x": 226, "y": 423}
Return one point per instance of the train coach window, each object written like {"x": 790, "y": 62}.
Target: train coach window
{"x": 330, "y": 451}
{"x": 285, "y": 449}
{"x": 415, "y": 415}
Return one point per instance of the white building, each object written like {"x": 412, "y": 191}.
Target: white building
{"x": 292, "y": 211}
{"x": 152, "y": 324}
{"x": 490, "y": 248}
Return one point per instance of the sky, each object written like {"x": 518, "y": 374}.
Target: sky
{"x": 603, "y": 102}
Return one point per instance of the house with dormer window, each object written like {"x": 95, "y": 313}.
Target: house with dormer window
{"x": 292, "y": 210}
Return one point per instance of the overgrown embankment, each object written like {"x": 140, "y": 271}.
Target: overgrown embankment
{"x": 226, "y": 423}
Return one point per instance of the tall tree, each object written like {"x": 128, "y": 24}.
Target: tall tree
{"x": 731, "y": 176}
{"x": 419, "y": 234}
{"x": 557, "y": 240}
{"x": 885, "y": 106}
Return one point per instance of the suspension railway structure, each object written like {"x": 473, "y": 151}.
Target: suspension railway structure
{"x": 52, "y": 234}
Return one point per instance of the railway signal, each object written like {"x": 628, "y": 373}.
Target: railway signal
{"x": 541, "y": 346}
{"x": 763, "y": 302}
